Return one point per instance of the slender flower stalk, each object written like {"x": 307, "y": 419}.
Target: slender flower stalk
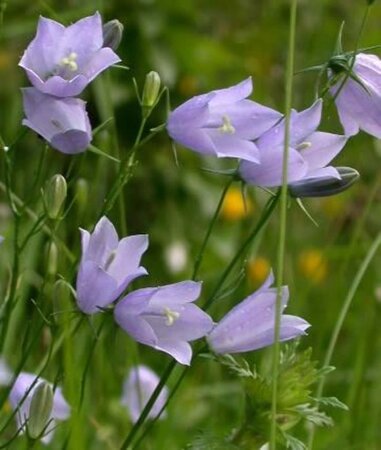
{"x": 282, "y": 223}
{"x": 342, "y": 316}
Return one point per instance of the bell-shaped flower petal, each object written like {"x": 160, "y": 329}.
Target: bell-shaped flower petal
{"x": 62, "y": 61}
{"x": 63, "y": 122}
{"x": 165, "y": 318}
{"x": 310, "y": 151}
{"x": 20, "y": 398}
{"x": 358, "y": 101}
{"x": 222, "y": 123}
{"x": 137, "y": 390}
{"x": 250, "y": 325}
{"x": 107, "y": 265}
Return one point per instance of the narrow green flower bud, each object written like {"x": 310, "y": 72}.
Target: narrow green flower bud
{"x": 52, "y": 258}
{"x": 40, "y": 410}
{"x": 112, "y": 34}
{"x": 62, "y": 300}
{"x": 150, "y": 91}
{"x": 55, "y": 195}
{"x": 324, "y": 187}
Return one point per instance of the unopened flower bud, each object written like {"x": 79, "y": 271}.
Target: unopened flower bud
{"x": 324, "y": 187}
{"x": 150, "y": 91}
{"x": 55, "y": 195}
{"x": 40, "y": 410}
{"x": 112, "y": 34}
{"x": 52, "y": 258}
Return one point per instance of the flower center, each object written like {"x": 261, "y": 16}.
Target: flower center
{"x": 171, "y": 316}
{"x": 70, "y": 62}
{"x": 303, "y": 146}
{"x": 226, "y": 127}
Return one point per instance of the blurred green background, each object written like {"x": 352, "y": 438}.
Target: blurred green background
{"x": 197, "y": 46}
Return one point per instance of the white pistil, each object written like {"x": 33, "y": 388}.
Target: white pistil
{"x": 70, "y": 62}
{"x": 226, "y": 127}
{"x": 171, "y": 316}
{"x": 303, "y": 146}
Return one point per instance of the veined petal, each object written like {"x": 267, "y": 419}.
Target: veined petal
{"x": 231, "y": 146}
{"x": 176, "y": 294}
{"x": 137, "y": 327}
{"x": 103, "y": 241}
{"x": 128, "y": 254}
{"x": 99, "y": 61}
{"x": 95, "y": 288}
{"x": 181, "y": 351}
{"x": 232, "y": 94}
{"x": 323, "y": 147}
{"x": 269, "y": 172}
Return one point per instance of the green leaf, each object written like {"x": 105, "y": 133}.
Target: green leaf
{"x": 332, "y": 401}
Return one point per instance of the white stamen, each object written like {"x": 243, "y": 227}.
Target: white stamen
{"x": 171, "y": 316}
{"x": 226, "y": 126}
{"x": 303, "y": 146}
{"x": 70, "y": 62}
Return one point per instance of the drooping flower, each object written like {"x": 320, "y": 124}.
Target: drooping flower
{"x": 63, "y": 122}
{"x": 61, "y": 61}
{"x": 165, "y": 318}
{"x": 137, "y": 390}
{"x": 222, "y": 123}
{"x": 107, "y": 265}
{"x": 358, "y": 101}
{"x": 21, "y": 395}
{"x": 250, "y": 325}
{"x": 309, "y": 153}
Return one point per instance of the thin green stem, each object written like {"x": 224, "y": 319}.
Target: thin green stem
{"x": 282, "y": 223}
{"x": 149, "y": 405}
{"x": 210, "y": 228}
{"x": 342, "y": 316}
{"x": 255, "y": 232}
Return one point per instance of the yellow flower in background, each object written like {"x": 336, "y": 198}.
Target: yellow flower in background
{"x": 258, "y": 270}
{"x": 234, "y": 206}
{"x": 313, "y": 265}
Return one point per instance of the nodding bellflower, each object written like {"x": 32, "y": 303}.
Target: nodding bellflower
{"x": 137, "y": 390}
{"x": 222, "y": 123}
{"x": 309, "y": 153}
{"x": 358, "y": 100}
{"x": 63, "y": 122}
{"x": 61, "y": 61}
{"x": 250, "y": 325}
{"x": 107, "y": 265}
{"x": 21, "y": 395}
{"x": 165, "y": 318}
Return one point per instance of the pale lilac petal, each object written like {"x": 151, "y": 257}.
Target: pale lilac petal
{"x": 232, "y": 94}
{"x": 41, "y": 55}
{"x": 85, "y": 37}
{"x": 95, "y": 288}
{"x": 324, "y": 173}
{"x": 269, "y": 172}
{"x": 181, "y": 351}
{"x": 323, "y": 147}
{"x": 230, "y": 146}
{"x": 103, "y": 241}
{"x": 368, "y": 68}
{"x": 137, "y": 390}
{"x": 176, "y": 294}
{"x": 137, "y": 327}
{"x": 100, "y": 61}
{"x": 358, "y": 108}
{"x": 59, "y": 87}
{"x": 250, "y": 119}
{"x": 127, "y": 258}
{"x": 198, "y": 140}
{"x": 136, "y": 302}
{"x": 61, "y": 408}
{"x": 63, "y": 122}
{"x": 302, "y": 124}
